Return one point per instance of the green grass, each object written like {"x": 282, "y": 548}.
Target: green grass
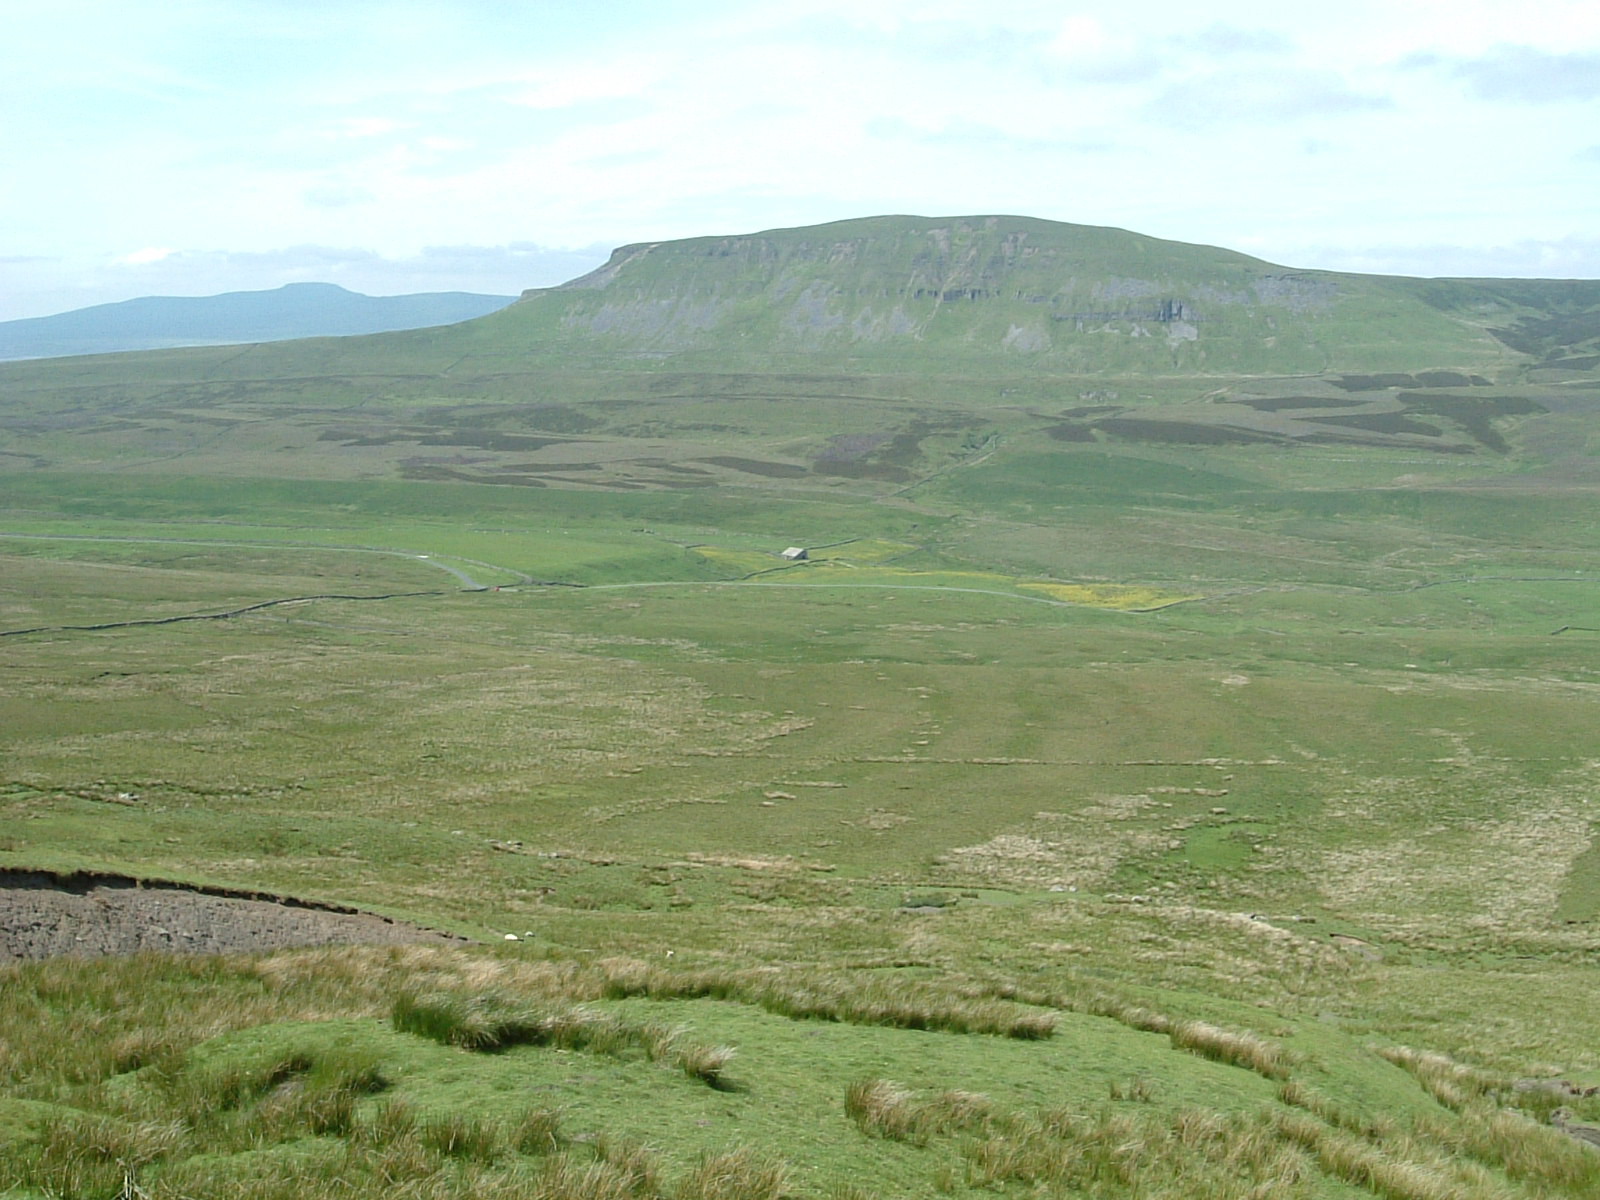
{"x": 298, "y": 1072}
{"x": 925, "y": 867}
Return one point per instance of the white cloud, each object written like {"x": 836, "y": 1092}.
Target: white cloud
{"x": 1522, "y": 73}
{"x": 150, "y": 254}
{"x": 1267, "y": 97}
{"x": 335, "y": 195}
{"x": 1221, "y": 40}
{"x": 482, "y": 124}
{"x": 564, "y": 88}
{"x": 364, "y": 127}
{"x": 1565, "y": 258}
{"x": 1080, "y": 36}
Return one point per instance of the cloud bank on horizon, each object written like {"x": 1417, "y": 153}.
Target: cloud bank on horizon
{"x": 399, "y": 146}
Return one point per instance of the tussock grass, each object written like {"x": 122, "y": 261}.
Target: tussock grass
{"x": 78, "y": 1155}
{"x": 633, "y": 1161}
{"x": 881, "y": 1108}
{"x": 1234, "y": 1047}
{"x": 1452, "y": 1084}
{"x": 567, "y": 1178}
{"x": 1140, "y": 1088}
{"x": 957, "y": 1109}
{"x": 67, "y": 1176}
{"x": 130, "y": 1143}
{"x": 1409, "y": 1171}
{"x": 1094, "y": 1001}
{"x": 1297, "y": 1093}
{"x": 884, "y": 1109}
{"x": 898, "y": 1005}
{"x": 474, "y": 1022}
{"x": 495, "y": 1020}
{"x": 476, "y": 1003}
{"x": 317, "y": 1109}
{"x": 460, "y": 1135}
{"x": 738, "y": 1174}
{"x": 140, "y": 1048}
{"x": 273, "y": 1100}
{"x": 75, "y": 1022}
{"x": 1408, "y": 1161}
{"x": 708, "y": 1064}
{"x": 1527, "y": 1151}
{"x": 392, "y": 1122}
{"x": 537, "y": 1132}
{"x": 1190, "y": 1155}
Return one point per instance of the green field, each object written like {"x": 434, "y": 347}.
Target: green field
{"x": 1157, "y": 784}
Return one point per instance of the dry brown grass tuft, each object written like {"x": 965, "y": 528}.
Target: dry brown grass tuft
{"x": 1410, "y": 1170}
{"x": 1233, "y": 1047}
{"x": 1452, "y": 1084}
{"x": 1527, "y": 1151}
{"x": 884, "y": 1109}
{"x": 565, "y": 1177}
{"x": 832, "y": 997}
{"x": 708, "y": 1064}
{"x": 634, "y": 1161}
{"x": 738, "y": 1174}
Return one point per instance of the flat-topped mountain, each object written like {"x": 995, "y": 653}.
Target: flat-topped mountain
{"x": 903, "y": 292}
{"x": 296, "y": 310}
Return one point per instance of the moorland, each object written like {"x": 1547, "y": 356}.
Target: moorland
{"x": 1169, "y": 771}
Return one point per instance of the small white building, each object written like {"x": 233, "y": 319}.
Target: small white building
{"x": 795, "y": 554}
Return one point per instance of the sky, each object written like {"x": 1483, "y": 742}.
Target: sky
{"x": 193, "y": 147}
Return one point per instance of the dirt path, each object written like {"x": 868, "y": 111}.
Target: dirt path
{"x": 44, "y": 914}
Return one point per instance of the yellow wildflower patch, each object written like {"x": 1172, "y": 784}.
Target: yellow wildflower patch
{"x": 1108, "y": 595}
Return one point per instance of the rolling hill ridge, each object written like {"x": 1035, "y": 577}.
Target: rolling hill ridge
{"x": 296, "y": 310}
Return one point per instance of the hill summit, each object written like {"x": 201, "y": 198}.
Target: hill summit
{"x": 908, "y": 292}
{"x": 295, "y": 310}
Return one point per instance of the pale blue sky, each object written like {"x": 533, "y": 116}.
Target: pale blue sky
{"x": 198, "y": 146}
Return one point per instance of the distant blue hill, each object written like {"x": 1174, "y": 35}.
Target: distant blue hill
{"x": 296, "y": 310}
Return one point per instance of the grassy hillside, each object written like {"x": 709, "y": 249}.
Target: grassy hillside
{"x": 1149, "y": 784}
{"x": 1016, "y": 294}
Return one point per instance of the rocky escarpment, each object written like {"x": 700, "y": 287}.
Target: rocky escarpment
{"x": 917, "y": 292}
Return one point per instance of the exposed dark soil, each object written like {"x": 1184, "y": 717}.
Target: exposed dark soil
{"x": 753, "y": 466}
{"x": 1374, "y": 383}
{"x": 44, "y": 914}
{"x": 1383, "y": 422}
{"x": 1188, "y": 433}
{"x": 476, "y": 439}
{"x": 1071, "y": 433}
{"x": 1279, "y": 403}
